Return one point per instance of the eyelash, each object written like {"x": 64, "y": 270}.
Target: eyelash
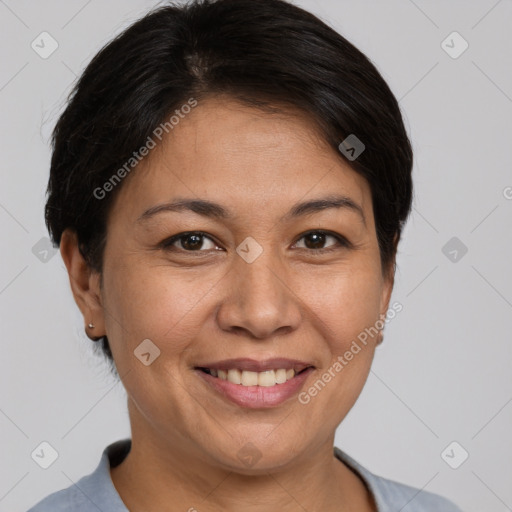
{"x": 342, "y": 242}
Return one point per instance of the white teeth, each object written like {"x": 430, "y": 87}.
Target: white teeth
{"x": 267, "y": 379}
{"x": 235, "y": 376}
{"x": 281, "y": 376}
{"x": 249, "y": 378}
{"x": 245, "y": 378}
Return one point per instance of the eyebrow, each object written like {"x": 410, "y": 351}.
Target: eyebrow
{"x": 216, "y": 211}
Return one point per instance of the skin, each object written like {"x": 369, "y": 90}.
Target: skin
{"x": 292, "y": 301}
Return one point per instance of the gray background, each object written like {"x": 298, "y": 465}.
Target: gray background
{"x": 443, "y": 371}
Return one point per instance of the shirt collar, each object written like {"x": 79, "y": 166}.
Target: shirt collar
{"x": 102, "y": 488}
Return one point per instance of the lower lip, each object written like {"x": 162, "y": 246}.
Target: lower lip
{"x": 256, "y": 397}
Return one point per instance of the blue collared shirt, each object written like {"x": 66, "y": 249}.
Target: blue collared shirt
{"x": 97, "y": 492}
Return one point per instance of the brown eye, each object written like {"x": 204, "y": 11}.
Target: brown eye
{"x": 189, "y": 242}
{"x": 316, "y": 240}
{"x": 192, "y": 242}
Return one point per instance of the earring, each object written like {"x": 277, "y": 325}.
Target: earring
{"x": 91, "y": 326}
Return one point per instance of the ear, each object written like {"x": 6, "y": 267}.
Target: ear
{"x": 85, "y": 284}
{"x": 387, "y": 284}
{"x": 387, "y": 289}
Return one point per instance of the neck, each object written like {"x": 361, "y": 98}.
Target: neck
{"x": 162, "y": 474}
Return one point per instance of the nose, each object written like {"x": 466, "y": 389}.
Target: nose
{"x": 259, "y": 303}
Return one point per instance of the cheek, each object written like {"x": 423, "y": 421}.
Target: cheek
{"x": 153, "y": 302}
{"x": 348, "y": 303}
{"x": 344, "y": 309}
{"x": 347, "y": 313}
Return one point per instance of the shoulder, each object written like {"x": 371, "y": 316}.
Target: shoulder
{"x": 397, "y": 496}
{"x": 391, "y": 496}
{"x": 92, "y": 492}
{"x": 62, "y": 501}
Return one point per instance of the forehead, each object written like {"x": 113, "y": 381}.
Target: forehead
{"x": 227, "y": 152}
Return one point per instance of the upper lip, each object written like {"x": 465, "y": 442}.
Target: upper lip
{"x": 252, "y": 365}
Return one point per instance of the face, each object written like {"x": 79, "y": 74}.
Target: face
{"x": 255, "y": 278}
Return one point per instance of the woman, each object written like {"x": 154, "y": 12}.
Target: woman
{"x": 228, "y": 187}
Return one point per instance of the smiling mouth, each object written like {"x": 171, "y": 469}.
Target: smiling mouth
{"x": 246, "y": 378}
